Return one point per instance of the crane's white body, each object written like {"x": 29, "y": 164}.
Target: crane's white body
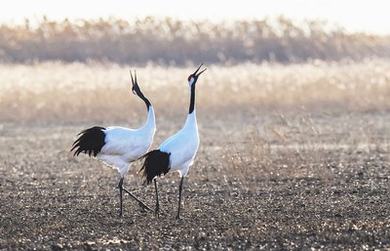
{"x": 177, "y": 153}
{"x": 183, "y": 146}
{"x": 123, "y": 145}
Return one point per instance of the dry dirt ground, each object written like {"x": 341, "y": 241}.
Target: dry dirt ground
{"x": 261, "y": 181}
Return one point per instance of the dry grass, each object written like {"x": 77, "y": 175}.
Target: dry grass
{"x": 101, "y": 92}
{"x": 173, "y": 41}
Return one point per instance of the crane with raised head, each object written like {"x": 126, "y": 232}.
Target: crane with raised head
{"x": 118, "y": 146}
{"x": 177, "y": 153}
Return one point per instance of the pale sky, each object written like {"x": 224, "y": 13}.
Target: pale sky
{"x": 355, "y": 15}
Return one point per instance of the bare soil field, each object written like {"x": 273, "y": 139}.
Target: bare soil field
{"x": 326, "y": 187}
{"x": 297, "y": 159}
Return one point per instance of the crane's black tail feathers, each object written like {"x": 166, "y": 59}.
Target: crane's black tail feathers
{"x": 90, "y": 141}
{"x": 156, "y": 164}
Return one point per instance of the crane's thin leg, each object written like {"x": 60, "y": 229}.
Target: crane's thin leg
{"x": 138, "y": 200}
{"x": 157, "y": 209}
{"x": 120, "y": 186}
{"x": 180, "y": 189}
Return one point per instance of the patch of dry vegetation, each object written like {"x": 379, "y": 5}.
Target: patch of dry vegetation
{"x": 95, "y": 92}
{"x": 171, "y": 41}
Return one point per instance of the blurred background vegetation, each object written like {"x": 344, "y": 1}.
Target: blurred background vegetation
{"x": 174, "y": 42}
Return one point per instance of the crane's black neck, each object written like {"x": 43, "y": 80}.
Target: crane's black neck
{"x": 192, "y": 99}
{"x": 147, "y": 102}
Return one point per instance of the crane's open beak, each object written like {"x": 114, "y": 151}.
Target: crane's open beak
{"x": 196, "y": 74}
{"x": 134, "y": 82}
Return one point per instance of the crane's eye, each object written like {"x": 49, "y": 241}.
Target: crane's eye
{"x": 189, "y": 78}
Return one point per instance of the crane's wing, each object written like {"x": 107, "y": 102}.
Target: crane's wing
{"x": 125, "y": 142}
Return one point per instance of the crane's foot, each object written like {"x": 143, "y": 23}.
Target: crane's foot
{"x": 143, "y": 205}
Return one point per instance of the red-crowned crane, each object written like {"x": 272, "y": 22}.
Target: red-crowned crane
{"x": 177, "y": 153}
{"x": 117, "y": 146}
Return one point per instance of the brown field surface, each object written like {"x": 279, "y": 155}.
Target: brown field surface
{"x": 291, "y": 157}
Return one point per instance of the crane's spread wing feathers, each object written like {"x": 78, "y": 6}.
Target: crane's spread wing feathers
{"x": 113, "y": 141}
{"x": 90, "y": 141}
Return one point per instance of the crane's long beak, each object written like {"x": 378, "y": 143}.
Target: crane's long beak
{"x": 196, "y": 72}
{"x": 134, "y": 82}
